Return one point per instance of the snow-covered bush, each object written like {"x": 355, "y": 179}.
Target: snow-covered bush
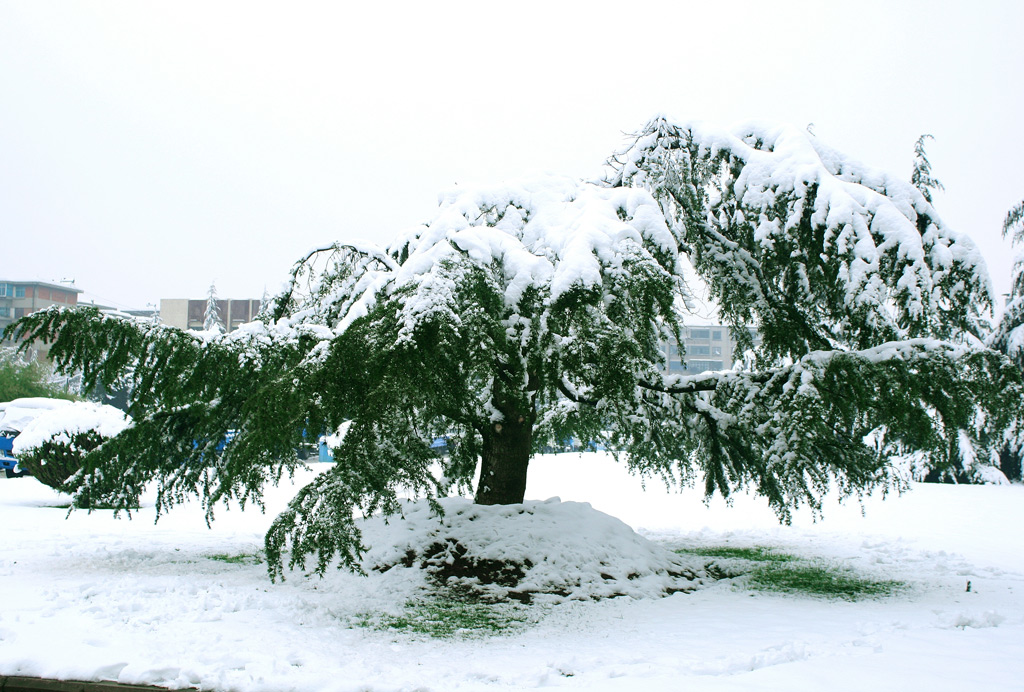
{"x": 968, "y": 469}
{"x": 51, "y": 446}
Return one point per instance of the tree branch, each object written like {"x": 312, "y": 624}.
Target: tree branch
{"x": 703, "y": 383}
{"x": 573, "y": 396}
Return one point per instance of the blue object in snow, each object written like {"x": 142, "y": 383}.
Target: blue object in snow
{"x": 8, "y": 462}
{"x": 439, "y": 445}
{"x": 325, "y": 452}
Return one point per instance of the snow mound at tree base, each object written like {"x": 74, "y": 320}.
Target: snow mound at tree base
{"x": 550, "y": 550}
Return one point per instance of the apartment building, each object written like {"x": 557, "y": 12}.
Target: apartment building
{"x": 707, "y": 348}
{"x": 20, "y": 298}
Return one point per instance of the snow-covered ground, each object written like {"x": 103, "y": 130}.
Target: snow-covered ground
{"x": 92, "y": 597}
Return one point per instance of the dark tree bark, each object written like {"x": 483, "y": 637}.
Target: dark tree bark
{"x": 504, "y": 461}
{"x": 1010, "y": 463}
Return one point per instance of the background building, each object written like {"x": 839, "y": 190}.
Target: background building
{"x": 707, "y": 348}
{"x": 185, "y": 313}
{"x": 20, "y": 298}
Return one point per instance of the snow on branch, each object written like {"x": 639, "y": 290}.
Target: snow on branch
{"x": 1009, "y": 334}
{"x": 547, "y": 236}
{"x": 897, "y": 350}
{"x": 796, "y": 237}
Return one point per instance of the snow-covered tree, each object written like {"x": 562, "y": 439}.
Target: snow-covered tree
{"x": 212, "y": 321}
{"x": 521, "y": 315}
{"x": 1009, "y": 334}
{"x": 921, "y": 178}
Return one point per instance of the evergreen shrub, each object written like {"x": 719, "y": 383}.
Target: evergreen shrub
{"x": 59, "y": 458}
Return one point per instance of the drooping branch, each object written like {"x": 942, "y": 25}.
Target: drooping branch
{"x": 823, "y": 251}
{"x": 574, "y": 396}
{"x": 333, "y": 276}
{"x": 705, "y": 382}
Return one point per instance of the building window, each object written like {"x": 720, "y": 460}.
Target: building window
{"x": 6, "y": 291}
{"x": 19, "y": 313}
{"x": 698, "y": 366}
{"x": 716, "y": 350}
{"x": 19, "y": 291}
{"x": 239, "y": 311}
{"x": 5, "y": 312}
{"x": 696, "y": 350}
{"x": 676, "y": 366}
{"x": 716, "y": 335}
{"x": 700, "y": 334}
{"x": 196, "y": 312}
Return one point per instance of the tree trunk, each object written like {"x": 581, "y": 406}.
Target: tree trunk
{"x": 504, "y": 461}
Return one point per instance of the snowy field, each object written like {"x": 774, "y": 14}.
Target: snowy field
{"x": 178, "y": 604}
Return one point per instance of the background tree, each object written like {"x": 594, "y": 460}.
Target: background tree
{"x": 1009, "y": 334}
{"x": 922, "y": 178}
{"x": 955, "y": 467}
{"x": 522, "y": 315}
{"x": 212, "y": 320}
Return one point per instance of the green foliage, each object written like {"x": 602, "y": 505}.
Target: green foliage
{"x": 57, "y": 460}
{"x": 812, "y": 418}
{"x": 212, "y": 319}
{"x": 822, "y": 580}
{"x": 767, "y": 569}
{"x": 20, "y": 379}
{"x": 756, "y": 553}
{"x": 522, "y": 316}
{"x": 84, "y": 504}
{"x": 1012, "y": 224}
{"x": 766, "y": 218}
{"x": 1009, "y": 335}
{"x": 440, "y": 617}
{"x": 239, "y": 559}
{"x": 922, "y": 178}
{"x": 185, "y": 397}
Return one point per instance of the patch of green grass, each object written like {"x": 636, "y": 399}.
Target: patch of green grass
{"x": 447, "y": 618}
{"x": 780, "y": 572}
{"x": 756, "y": 553}
{"x": 821, "y": 579}
{"x": 97, "y": 506}
{"x": 239, "y": 559}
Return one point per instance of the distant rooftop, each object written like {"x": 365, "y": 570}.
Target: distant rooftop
{"x": 48, "y": 284}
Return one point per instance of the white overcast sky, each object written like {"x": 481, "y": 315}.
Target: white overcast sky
{"x": 149, "y": 149}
